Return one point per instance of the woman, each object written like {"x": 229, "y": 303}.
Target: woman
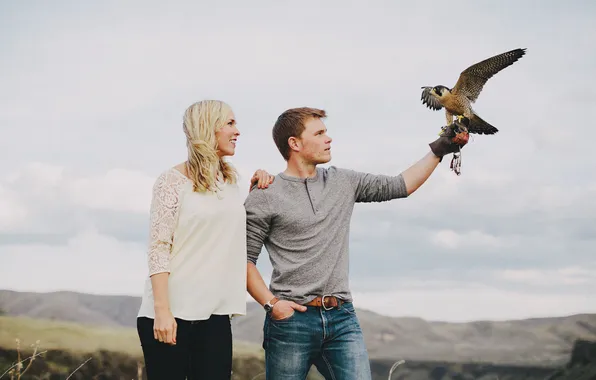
{"x": 197, "y": 254}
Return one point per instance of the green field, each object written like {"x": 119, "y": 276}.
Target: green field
{"x": 53, "y": 335}
{"x": 78, "y": 338}
{"x": 114, "y": 353}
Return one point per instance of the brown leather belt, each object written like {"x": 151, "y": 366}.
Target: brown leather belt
{"x": 327, "y": 302}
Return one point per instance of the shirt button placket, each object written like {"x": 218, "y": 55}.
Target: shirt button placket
{"x": 312, "y": 198}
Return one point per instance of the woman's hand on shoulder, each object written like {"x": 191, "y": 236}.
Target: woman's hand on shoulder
{"x": 262, "y": 179}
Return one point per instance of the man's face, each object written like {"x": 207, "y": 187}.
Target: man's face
{"x": 314, "y": 143}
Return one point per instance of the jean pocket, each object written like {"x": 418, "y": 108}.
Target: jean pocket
{"x": 348, "y": 308}
{"x": 284, "y": 319}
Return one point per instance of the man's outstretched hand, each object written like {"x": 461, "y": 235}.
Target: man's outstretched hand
{"x": 453, "y": 138}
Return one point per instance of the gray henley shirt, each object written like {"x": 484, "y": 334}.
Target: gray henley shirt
{"x": 304, "y": 224}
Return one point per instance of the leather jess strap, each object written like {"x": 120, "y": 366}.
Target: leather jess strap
{"x": 330, "y": 302}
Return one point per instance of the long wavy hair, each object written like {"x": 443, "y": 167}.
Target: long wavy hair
{"x": 204, "y": 167}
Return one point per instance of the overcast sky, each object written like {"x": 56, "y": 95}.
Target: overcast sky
{"x": 91, "y": 103}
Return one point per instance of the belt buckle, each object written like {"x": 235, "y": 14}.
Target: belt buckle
{"x": 323, "y": 302}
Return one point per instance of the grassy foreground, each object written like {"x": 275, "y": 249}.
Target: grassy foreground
{"x": 78, "y": 338}
{"x": 80, "y": 352}
{"x": 104, "y": 353}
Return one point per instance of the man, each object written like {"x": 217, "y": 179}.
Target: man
{"x": 303, "y": 220}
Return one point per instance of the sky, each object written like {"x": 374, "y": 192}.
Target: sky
{"x": 91, "y": 102}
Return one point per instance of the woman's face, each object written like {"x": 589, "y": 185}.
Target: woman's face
{"x": 226, "y": 137}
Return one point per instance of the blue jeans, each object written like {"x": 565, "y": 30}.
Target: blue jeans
{"x": 330, "y": 339}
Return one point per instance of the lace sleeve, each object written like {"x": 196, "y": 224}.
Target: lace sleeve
{"x": 163, "y": 220}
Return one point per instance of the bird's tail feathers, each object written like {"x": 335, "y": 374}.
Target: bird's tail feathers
{"x": 481, "y": 127}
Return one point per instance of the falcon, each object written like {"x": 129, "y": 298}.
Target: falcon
{"x": 458, "y": 100}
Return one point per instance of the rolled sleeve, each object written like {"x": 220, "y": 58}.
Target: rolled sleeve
{"x": 376, "y": 187}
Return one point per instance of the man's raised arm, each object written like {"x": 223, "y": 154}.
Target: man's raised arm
{"x": 378, "y": 188}
{"x": 417, "y": 174}
{"x": 451, "y": 141}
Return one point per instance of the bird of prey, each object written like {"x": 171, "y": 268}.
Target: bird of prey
{"x": 458, "y": 100}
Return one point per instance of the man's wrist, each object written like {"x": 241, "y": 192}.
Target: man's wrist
{"x": 440, "y": 158}
{"x": 268, "y": 306}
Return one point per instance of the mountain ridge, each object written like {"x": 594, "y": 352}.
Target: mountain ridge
{"x": 544, "y": 341}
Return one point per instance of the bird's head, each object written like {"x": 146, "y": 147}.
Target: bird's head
{"x": 439, "y": 91}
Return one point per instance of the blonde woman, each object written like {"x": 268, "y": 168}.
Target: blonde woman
{"x": 197, "y": 254}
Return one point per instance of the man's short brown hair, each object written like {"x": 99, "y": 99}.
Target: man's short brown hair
{"x": 291, "y": 124}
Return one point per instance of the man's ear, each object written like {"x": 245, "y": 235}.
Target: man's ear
{"x": 294, "y": 144}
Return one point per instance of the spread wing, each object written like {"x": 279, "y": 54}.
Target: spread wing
{"x": 472, "y": 80}
{"x": 430, "y": 101}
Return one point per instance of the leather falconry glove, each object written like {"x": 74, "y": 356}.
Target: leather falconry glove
{"x": 452, "y": 138}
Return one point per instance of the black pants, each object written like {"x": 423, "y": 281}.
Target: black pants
{"x": 203, "y": 350}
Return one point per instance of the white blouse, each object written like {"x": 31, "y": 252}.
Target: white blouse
{"x": 200, "y": 240}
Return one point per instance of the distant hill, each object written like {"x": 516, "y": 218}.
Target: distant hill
{"x": 541, "y": 341}
{"x": 581, "y": 366}
{"x": 73, "y": 307}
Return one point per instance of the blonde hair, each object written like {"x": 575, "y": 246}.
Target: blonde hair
{"x": 204, "y": 167}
